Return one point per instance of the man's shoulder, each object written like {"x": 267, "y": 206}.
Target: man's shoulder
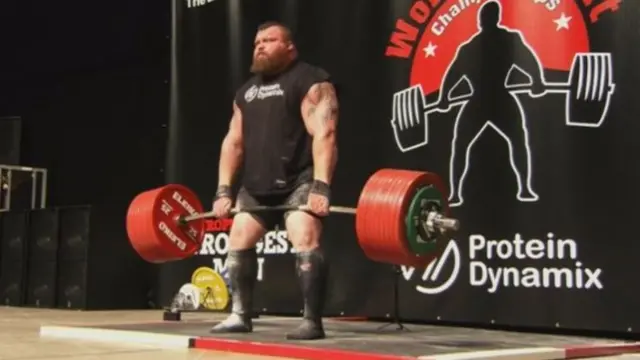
{"x": 311, "y": 74}
{"x": 307, "y": 74}
{"x": 312, "y": 69}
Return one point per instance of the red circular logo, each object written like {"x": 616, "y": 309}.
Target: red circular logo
{"x": 553, "y": 30}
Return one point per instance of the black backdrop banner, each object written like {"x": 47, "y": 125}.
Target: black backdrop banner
{"x": 525, "y": 109}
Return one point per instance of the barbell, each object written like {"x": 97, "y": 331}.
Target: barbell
{"x": 588, "y": 89}
{"x": 401, "y": 218}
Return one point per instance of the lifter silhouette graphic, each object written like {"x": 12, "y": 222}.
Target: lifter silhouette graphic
{"x": 487, "y": 61}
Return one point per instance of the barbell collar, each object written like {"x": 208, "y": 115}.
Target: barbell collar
{"x": 446, "y": 223}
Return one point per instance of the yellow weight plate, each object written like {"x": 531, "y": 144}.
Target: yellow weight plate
{"x": 213, "y": 289}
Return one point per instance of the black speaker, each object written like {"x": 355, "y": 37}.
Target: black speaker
{"x": 97, "y": 266}
{"x": 72, "y": 285}
{"x": 10, "y": 136}
{"x": 13, "y": 258}
{"x": 43, "y": 234}
{"x": 43, "y": 257}
{"x": 73, "y": 257}
{"x": 75, "y": 224}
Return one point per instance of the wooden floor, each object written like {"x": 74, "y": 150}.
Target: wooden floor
{"x": 20, "y": 340}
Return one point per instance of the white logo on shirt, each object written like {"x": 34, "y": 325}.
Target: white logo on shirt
{"x": 263, "y": 92}
{"x": 251, "y": 93}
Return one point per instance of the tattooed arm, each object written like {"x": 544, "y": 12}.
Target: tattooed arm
{"x": 320, "y": 114}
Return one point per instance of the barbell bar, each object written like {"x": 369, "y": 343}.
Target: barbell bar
{"x": 234, "y": 211}
{"x": 439, "y": 220}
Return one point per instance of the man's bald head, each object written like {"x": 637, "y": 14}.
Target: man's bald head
{"x": 284, "y": 30}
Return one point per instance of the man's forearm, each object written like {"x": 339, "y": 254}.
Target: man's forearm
{"x": 230, "y": 160}
{"x": 325, "y": 156}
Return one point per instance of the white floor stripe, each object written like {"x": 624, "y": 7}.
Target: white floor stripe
{"x": 118, "y": 336}
{"x": 538, "y": 353}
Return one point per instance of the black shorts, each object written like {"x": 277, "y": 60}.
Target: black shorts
{"x": 269, "y": 219}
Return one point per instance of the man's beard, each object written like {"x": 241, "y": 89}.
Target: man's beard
{"x": 267, "y": 65}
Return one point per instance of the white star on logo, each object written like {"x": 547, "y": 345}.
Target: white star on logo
{"x": 562, "y": 22}
{"x": 430, "y": 50}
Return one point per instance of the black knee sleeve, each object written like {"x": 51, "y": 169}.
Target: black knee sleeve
{"x": 243, "y": 270}
{"x": 312, "y": 273}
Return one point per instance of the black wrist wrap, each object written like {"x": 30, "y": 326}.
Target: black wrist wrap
{"x": 223, "y": 191}
{"x": 321, "y": 188}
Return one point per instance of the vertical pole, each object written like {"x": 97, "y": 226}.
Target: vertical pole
{"x": 173, "y": 167}
{"x": 291, "y": 14}
{"x": 43, "y": 189}
{"x": 3, "y": 189}
{"x": 34, "y": 184}
{"x": 235, "y": 24}
{"x": 9, "y": 188}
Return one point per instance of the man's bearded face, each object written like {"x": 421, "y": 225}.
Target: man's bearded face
{"x": 271, "y": 52}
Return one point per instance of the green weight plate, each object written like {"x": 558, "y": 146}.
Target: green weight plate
{"x": 418, "y": 245}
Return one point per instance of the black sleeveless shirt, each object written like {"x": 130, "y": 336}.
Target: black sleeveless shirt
{"x": 277, "y": 146}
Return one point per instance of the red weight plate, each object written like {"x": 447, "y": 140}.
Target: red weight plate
{"x": 152, "y": 227}
{"x": 150, "y": 250}
{"x": 139, "y": 231}
{"x": 382, "y": 209}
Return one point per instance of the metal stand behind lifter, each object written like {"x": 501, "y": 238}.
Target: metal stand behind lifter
{"x": 12, "y": 177}
{"x": 395, "y": 316}
{"x": 426, "y": 227}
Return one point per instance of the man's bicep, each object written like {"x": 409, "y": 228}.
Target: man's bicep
{"x": 235, "y": 125}
{"x": 320, "y": 107}
{"x": 308, "y": 107}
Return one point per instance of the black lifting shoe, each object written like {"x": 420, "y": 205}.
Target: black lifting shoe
{"x": 308, "y": 330}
